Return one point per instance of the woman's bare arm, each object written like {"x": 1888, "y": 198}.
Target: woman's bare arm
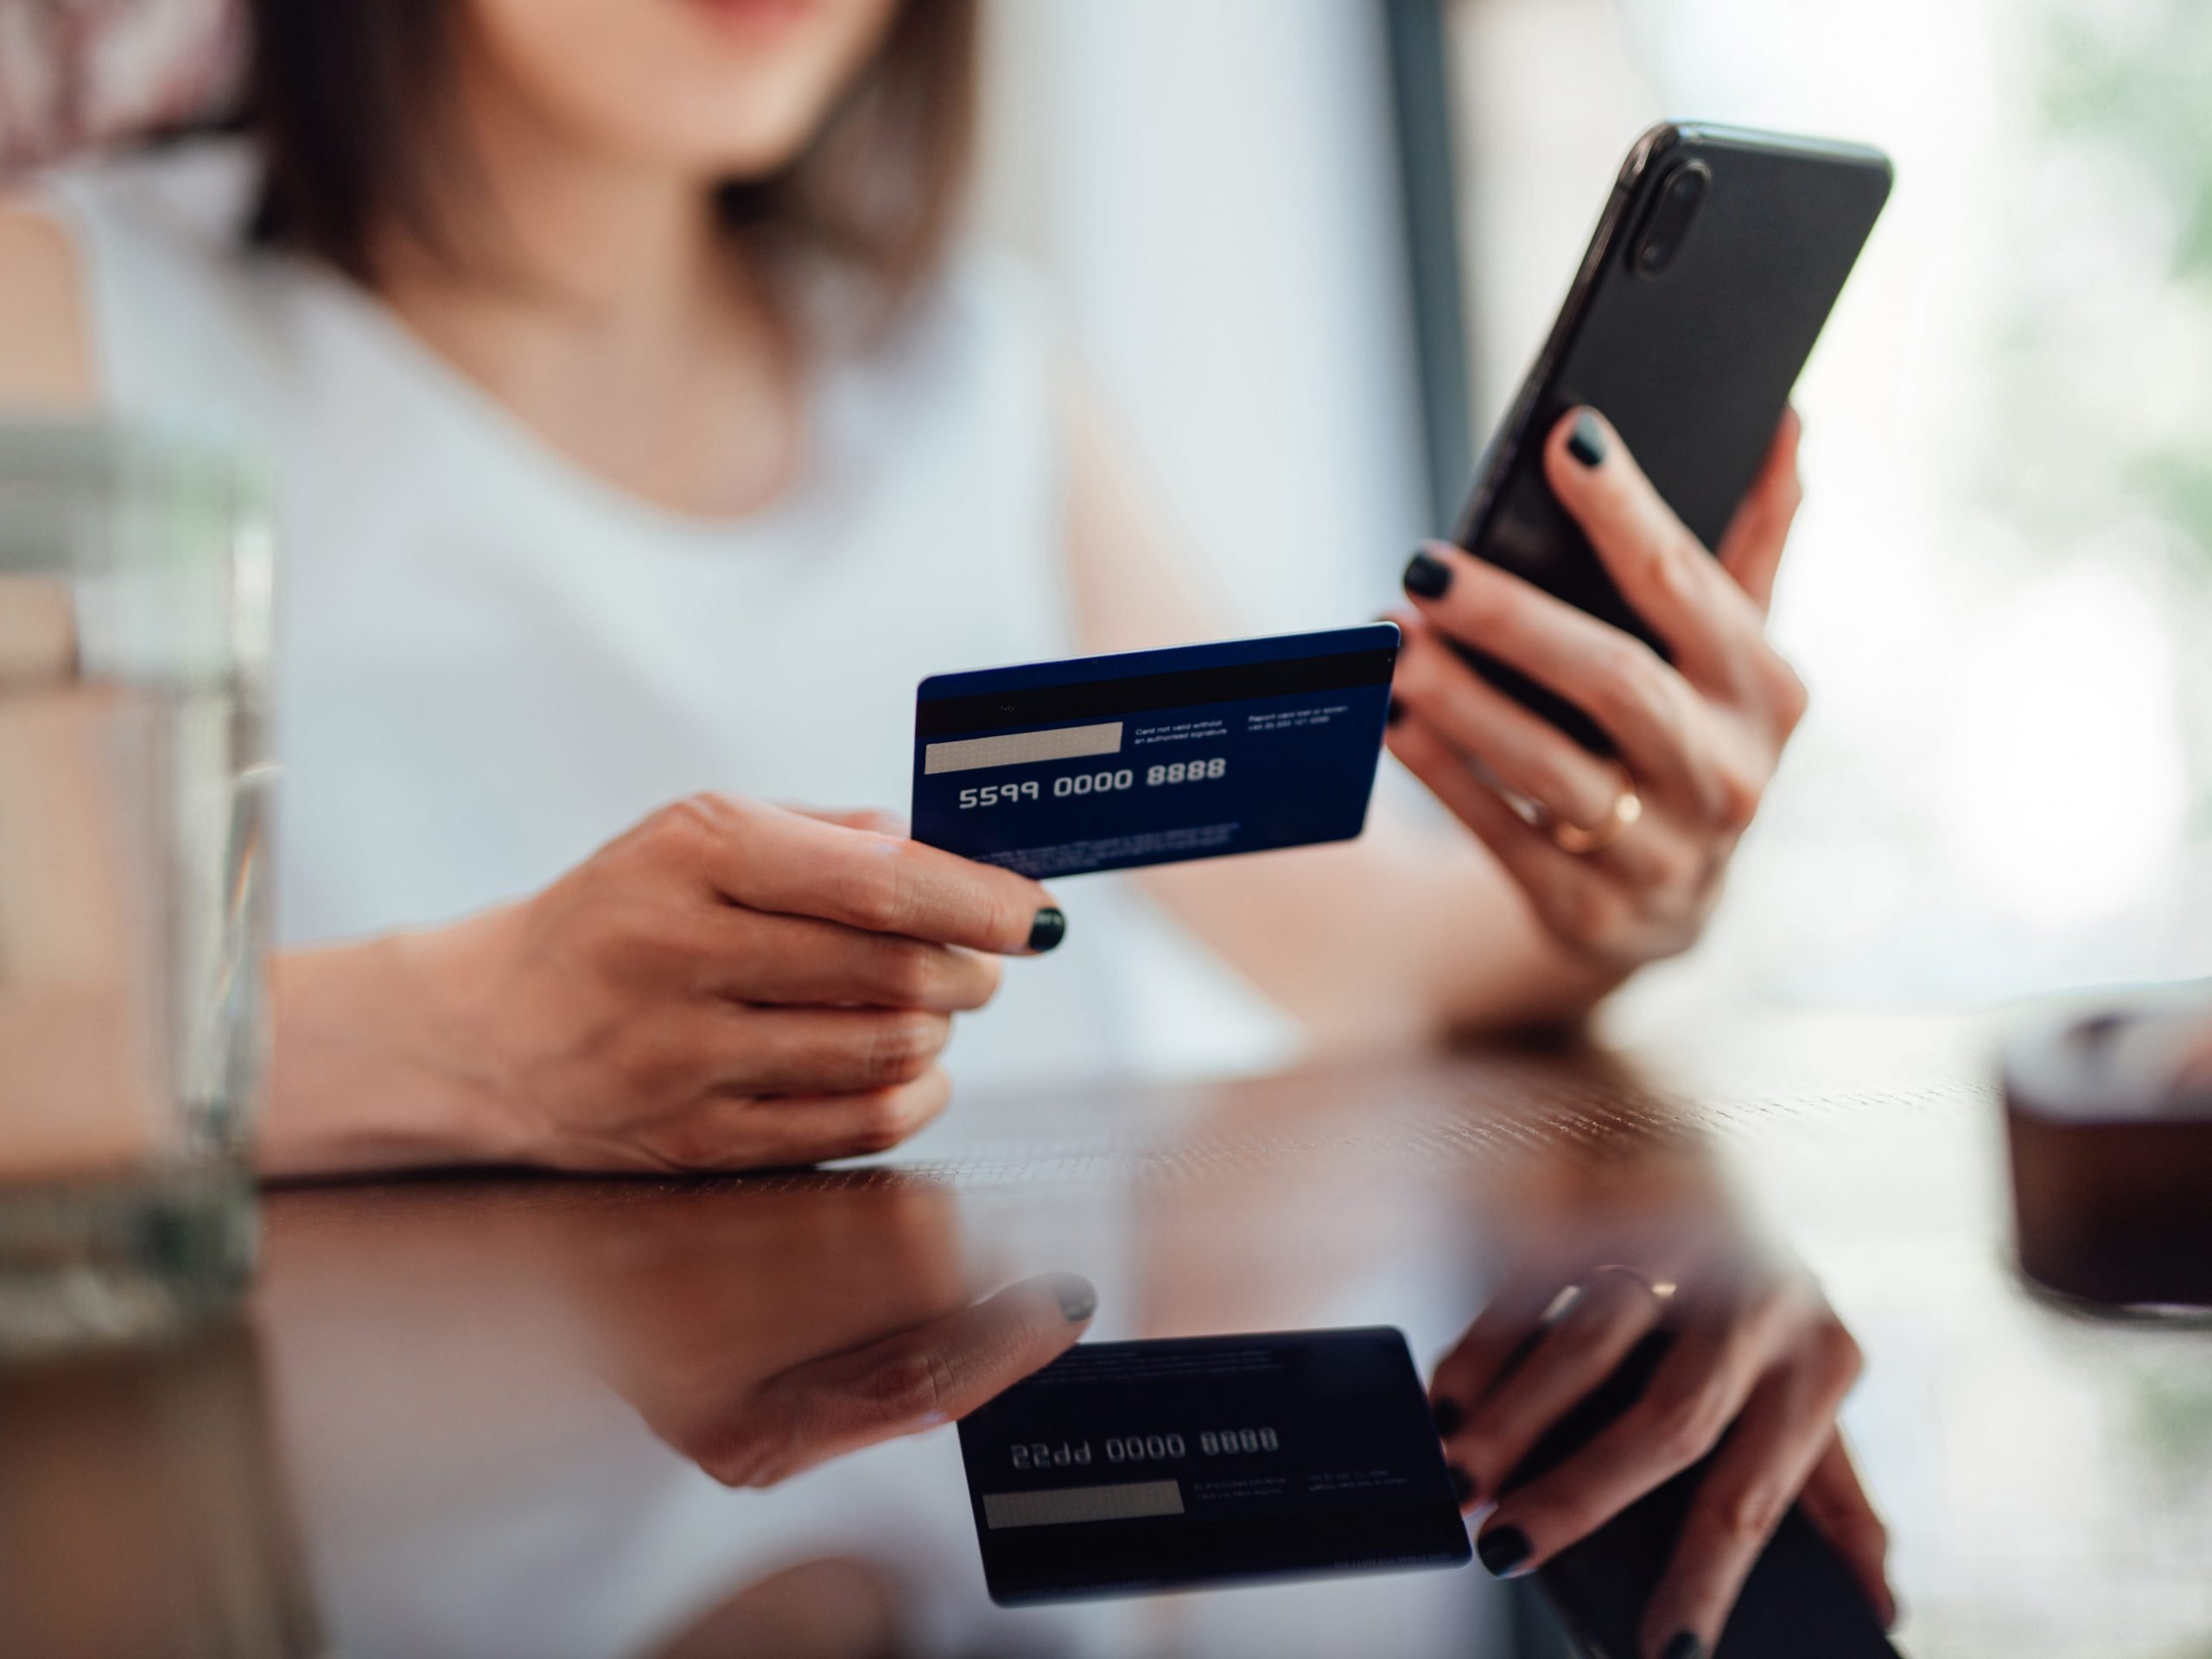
{"x": 1413, "y": 931}
{"x": 46, "y": 360}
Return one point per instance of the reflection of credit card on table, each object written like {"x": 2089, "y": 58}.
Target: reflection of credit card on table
{"x": 1100, "y": 763}
{"x": 1128, "y": 1466}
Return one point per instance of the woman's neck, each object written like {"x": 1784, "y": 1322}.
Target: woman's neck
{"x": 597, "y": 297}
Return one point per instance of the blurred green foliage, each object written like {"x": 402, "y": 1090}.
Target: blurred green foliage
{"x": 2143, "y": 77}
{"x": 2125, "y": 86}
{"x": 2173, "y": 1419}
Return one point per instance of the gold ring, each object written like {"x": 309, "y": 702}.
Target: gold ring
{"x": 1662, "y": 1290}
{"x": 1628, "y": 807}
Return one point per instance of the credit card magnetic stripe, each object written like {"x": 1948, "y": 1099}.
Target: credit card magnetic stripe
{"x": 947, "y": 708}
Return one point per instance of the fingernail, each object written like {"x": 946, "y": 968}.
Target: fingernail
{"x": 1684, "y": 1645}
{"x": 1394, "y": 713}
{"x": 1049, "y": 928}
{"x": 1502, "y": 1550}
{"x": 1463, "y": 1484}
{"x": 1078, "y": 1302}
{"x": 1449, "y": 1418}
{"x": 1428, "y": 577}
{"x": 1586, "y": 443}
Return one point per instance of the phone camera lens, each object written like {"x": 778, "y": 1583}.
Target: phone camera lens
{"x": 1667, "y": 227}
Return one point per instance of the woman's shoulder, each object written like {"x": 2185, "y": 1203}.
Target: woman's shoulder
{"x": 194, "y": 196}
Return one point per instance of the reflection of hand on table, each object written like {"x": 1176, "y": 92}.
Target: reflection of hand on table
{"x": 835, "y": 1312}
{"x": 761, "y": 1335}
{"x": 766, "y": 1429}
{"x": 1758, "y": 1365}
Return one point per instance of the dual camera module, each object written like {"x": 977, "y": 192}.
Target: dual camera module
{"x": 1668, "y": 222}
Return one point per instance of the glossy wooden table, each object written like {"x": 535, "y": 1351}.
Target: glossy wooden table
{"x": 477, "y": 1416}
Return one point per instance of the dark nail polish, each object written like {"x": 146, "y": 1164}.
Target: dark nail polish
{"x": 1449, "y": 1418}
{"x": 1463, "y": 1484}
{"x": 1683, "y": 1646}
{"x": 1047, "y": 929}
{"x": 1428, "y": 577}
{"x": 1586, "y": 443}
{"x": 1394, "y": 713}
{"x": 1078, "y": 1302}
{"x": 1502, "y": 1550}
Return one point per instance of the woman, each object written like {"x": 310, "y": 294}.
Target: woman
{"x": 642, "y": 435}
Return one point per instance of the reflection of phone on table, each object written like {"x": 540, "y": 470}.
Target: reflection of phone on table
{"x": 1713, "y": 269}
{"x": 1800, "y": 1601}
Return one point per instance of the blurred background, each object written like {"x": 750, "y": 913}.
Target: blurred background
{"x": 2001, "y": 589}
{"x": 1307, "y": 247}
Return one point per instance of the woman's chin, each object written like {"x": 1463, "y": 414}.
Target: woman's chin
{"x": 734, "y": 124}
{"x": 715, "y": 151}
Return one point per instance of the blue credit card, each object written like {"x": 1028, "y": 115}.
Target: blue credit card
{"x": 1128, "y": 1467}
{"x": 1101, "y": 763}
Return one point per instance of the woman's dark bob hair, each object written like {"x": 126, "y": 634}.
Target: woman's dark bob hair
{"x": 349, "y": 100}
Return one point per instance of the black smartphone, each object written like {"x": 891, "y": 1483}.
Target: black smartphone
{"x": 1714, "y": 267}
{"x": 1799, "y": 1602}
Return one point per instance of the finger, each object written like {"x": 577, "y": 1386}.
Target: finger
{"x": 1692, "y": 1397}
{"x": 1529, "y": 755}
{"x": 1609, "y": 1315}
{"x": 766, "y": 858}
{"x": 1751, "y": 551}
{"x": 759, "y": 956}
{"x": 873, "y": 819}
{"x": 904, "y": 1383}
{"x": 1662, "y": 569}
{"x": 1576, "y": 897}
{"x": 1503, "y": 1334}
{"x": 1645, "y": 857}
{"x": 1836, "y": 1503}
{"x": 1760, "y": 1468}
{"x": 1621, "y": 683}
{"x": 725, "y": 1133}
{"x": 804, "y": 1051}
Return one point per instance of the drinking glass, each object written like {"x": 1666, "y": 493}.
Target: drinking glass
{"x": 135, "y": 586}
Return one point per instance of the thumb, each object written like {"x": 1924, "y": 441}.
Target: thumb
{"x": 905, "y": 1384}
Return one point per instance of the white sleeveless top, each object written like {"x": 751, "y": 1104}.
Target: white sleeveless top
{"x": 489, "y": 662}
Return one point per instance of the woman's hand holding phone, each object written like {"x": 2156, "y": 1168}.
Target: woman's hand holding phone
{"x": 1621, "y": 859}
{"x": 730, "y": 985}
